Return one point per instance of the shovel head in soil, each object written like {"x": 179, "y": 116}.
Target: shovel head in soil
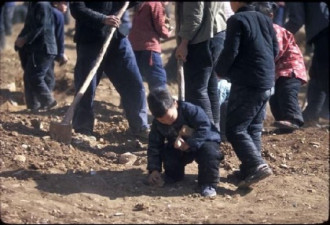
{"x": 61, "y": 132}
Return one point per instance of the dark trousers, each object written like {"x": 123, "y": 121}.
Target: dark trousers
{"x": 151, "y": 68}
{"x": 36, "y": 86}
{"x": 207, "y": 156}
{"x": 244, "y": 122}
{"x": 318, "y": 87}
{"x": 284, "y": 103}
{"x": 201, "y": 83}
{"x": 119, "y": 65}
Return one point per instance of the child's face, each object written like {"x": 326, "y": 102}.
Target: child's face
{"x": 170, "y": 116}
{"x": 62, "y": 6}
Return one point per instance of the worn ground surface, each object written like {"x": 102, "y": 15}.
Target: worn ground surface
{"x": 44, "y": 181}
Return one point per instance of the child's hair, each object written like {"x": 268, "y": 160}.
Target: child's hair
{"x": 159, "y": 101}
{"x": 267, "y": 8}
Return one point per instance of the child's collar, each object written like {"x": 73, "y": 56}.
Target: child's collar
{"x": 246, "y": 8}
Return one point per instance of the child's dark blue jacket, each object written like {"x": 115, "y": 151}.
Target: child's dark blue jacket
{"x": 161, "y": 134}
{"x": 249, "y": 50}
{"x": 39, "y": 28}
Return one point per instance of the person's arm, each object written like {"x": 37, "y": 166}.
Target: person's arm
{"x": 192, "y": 20}
{"x": 231, "y": 47}
{"x": 200, "y": 123}
{"x": 158, "y": 19}
{"x": 92, "y": 18}
{"x": 155, "y": 145}
{"x": 59, "y": 34}
{"x": 296, "y": 16}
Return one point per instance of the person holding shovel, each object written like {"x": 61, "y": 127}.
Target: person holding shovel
{"x": 93, "y": 23}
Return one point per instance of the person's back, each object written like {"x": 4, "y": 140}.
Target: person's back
{"x": 248, "y": 60}
{"x": 250, "y": 48}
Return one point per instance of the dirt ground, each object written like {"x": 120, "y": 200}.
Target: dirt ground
{"x": 89, "y": 181}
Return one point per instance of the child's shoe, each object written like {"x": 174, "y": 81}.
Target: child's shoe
{"x": 259, "y": 173}
{"x": 208, "y": 191}
{"x": 285, "y": 124}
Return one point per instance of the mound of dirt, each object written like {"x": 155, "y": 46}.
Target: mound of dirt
{"x": 102, "y": 179}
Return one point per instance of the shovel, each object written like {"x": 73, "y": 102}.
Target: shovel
{"x": 62, "y": 131}
{"x": 180, "y": 79}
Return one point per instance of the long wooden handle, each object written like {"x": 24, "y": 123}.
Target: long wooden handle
{"x": 69, "y": 114}
{"x": 180, "y": 77}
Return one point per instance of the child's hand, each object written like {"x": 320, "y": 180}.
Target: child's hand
{"x": 181, "y": 144}
{"x": 155, "y": 179}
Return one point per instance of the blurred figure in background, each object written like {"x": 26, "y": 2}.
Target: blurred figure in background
{"x": 315, "y": 17}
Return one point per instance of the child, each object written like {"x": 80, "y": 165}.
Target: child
{"x": 37, "y": 44}
{"x": 59, "y": 8}
{"x": 290, "y": 75}
{"x": 203, "y": 145}
{"x": 148, "y": 27}
{"x": 248, "y": 61}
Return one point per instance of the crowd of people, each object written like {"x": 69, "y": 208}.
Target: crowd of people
{"x": 237, "y": 58}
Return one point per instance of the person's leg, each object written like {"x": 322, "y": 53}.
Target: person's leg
{"x": 2, "y": 29}
{"x": 41, "y": 64}
{"x": 274, "y": 103}
{"x": 216, "y": 46}
{"x": 157, "y": 76}
{"x": 174, "y": 164}
{"x": 124, "y": 73}
{"x": 197, "y": 72}
{"x": 244, "y": 107}
{"x": 287, "y": 90}
{"x": 83, "y": 119}
{"x": 8, "y": 17}
{"x": 50, "y": 77}
{"x": 208, "y": 158}
{"x": 318, "y": 88}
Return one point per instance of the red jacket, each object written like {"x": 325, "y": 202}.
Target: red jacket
{"x": 289, "y": 58}
{"x": 148, "y": 27}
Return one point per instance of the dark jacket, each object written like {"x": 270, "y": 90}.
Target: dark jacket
{"x": 89, "y": 18}
{"x": 188, "y": 114}
{"x": 39, "y": 29}
{"x": 249, "y": 50}
{"x": 314, "y": 15}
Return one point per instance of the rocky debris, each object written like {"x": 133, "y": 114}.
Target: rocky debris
{"x": 141, "y": 206}
{"x": 20, "y": 158}
{"x": 127, "y": 158}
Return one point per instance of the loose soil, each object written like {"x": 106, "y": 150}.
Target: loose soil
{"x": 88, "y": 181}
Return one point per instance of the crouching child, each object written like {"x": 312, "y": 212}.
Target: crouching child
{"x": 171, "y": 148}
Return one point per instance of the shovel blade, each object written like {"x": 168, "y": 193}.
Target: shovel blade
{"x": 61, "y": 132}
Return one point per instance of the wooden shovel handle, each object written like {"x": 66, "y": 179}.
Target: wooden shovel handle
{"x": 69, "y": 114}
{"x": 180, "y": 78}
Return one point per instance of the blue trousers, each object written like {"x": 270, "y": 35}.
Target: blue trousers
{"x": 284, "y": 103}
{"x": 208, "y": 158}
{"x": 151, "y": 68}
{"x": 36, "y": 86}
{"x": 119, "y": 65}
{"x": 244, "y": 122}
{"x": 201, "y": 83}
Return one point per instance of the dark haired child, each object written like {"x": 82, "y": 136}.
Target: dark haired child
{"x": 248, "y": 61}
{"x": 203, "y": 145}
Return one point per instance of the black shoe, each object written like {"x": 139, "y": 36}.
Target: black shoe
{"x": 49, "y": 106}
{"x": 259, "y": 173}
